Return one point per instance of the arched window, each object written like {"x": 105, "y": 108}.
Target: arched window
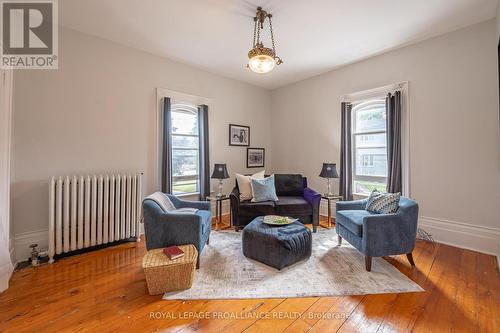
{"x": 369, "y": 144}
{"x": 185, "y": 149}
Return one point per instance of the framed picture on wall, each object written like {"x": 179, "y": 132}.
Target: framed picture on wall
{"x": 239, "y": 135}
{"x": 255, "y": 157}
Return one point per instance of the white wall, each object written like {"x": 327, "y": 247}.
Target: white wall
{"x": 454, "y": 139}
{"x": 97, "y": 113}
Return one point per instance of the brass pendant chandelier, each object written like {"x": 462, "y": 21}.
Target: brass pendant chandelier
{"x": 262, "y": 59}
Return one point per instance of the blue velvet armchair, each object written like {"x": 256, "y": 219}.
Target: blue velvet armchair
{"x": 377, "y": 235}
{"x": 164, "y": 229}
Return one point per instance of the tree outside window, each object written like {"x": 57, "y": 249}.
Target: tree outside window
{"x": 185, "y": 149}
{"x": 369, "y": 146}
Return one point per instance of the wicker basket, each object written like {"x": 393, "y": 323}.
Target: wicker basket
{"x": 164, "y": 275}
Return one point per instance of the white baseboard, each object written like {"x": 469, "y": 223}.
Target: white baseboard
{"x": 463, "y": 235}
{"x": 23, "y": 241}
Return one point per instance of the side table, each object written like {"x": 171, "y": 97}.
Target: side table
{"x": 218, "y": 210}
{"x": 165, "y": 275}
{"x": 329, "y": 199}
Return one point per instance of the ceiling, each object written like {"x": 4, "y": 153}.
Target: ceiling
{"x": 312, "y": 37}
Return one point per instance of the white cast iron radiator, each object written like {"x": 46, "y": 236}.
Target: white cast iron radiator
{"x": 93, "y": 210}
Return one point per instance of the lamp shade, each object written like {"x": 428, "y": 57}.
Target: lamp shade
{"x": 220, "y": 171}
{"x": 329, "y": 170}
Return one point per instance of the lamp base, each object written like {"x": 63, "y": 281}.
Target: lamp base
{"x": 220, "y": 195}
{"x": 329, "y": 193}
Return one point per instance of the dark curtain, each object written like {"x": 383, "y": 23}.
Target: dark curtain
{"x": 345, "y": 187}
{"x": 204, "y": 157}
{"x": 166, "y": 162}
{"x": 393, "y": 122}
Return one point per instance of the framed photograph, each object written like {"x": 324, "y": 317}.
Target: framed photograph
{"x": 239, "y": 135}
{"x": 255, "y": 157}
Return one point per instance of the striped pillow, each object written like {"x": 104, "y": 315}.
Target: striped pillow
{"x": 162, "y": 200}
{"x": 383, "y": 203}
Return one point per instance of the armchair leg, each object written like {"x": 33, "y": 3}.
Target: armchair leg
{"x": 368, "y": 263}
{"x": 198, "y": 262}
{"x": 339, "y": 240}
{"x": 208, "y": 240}
{"x": 410, "y": 258}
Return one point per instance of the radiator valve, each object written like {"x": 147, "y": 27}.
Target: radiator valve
{"x": 34, "y": 255}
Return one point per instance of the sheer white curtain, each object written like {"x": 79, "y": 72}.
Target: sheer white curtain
{"x": 5, "y": 133}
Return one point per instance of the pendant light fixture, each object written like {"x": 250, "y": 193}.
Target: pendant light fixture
{"x": 262, "y": 59}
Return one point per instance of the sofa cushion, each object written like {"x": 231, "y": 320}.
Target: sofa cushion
{"x": 289, "y": 185}
{"x": 248, "y": 208}
{"x": 352, "y": 220}
{"x": 295, "y": 206}
{"x": 206, "y": 220}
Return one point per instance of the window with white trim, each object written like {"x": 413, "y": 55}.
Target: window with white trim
{"x": 369, "y": 146}
{"x": 185, "y": 148}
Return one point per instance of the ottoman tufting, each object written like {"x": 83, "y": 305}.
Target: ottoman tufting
{"x": 276, "y": 246}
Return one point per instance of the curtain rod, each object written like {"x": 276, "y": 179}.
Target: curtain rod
{"x": 360, "y": 95}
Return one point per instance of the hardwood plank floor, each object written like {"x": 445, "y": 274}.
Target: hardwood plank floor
{"x": 105, "y": 291}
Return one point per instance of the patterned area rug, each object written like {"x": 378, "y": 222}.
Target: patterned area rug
{"x": 330, "y": 271}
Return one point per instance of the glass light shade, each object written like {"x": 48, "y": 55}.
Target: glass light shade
{"x": 261, "y": 63}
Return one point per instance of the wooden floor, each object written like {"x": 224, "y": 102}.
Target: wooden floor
{"x": 105, "y": 291}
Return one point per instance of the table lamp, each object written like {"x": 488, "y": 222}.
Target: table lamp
{"x": 329, "y": 171}
{"x": 220, "y": 173}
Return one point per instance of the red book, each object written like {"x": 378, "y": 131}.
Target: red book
{"x": 173, "y": 252}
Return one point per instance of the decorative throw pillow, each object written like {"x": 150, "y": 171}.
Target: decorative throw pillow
{"x": 383, "y": 203}
{"x": 162, "y": 200}
{"x": 245, "y": 184}
{"x": 264, "y": 190}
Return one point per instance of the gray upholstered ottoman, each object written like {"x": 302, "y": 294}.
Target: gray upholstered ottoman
{"x": 276, "y": 246}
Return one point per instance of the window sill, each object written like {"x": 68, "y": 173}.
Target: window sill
{"x": 360, "y": 195}
{"x": 187, "y": 194}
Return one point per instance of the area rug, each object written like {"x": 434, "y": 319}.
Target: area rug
{"x": 330, "y": 271}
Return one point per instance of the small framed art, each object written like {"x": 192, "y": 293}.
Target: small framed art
{"x": 255, "y": 157}
{"x": 239, "y": 135}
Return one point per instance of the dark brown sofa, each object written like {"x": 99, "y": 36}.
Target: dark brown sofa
{"x": 295, "y": 200}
